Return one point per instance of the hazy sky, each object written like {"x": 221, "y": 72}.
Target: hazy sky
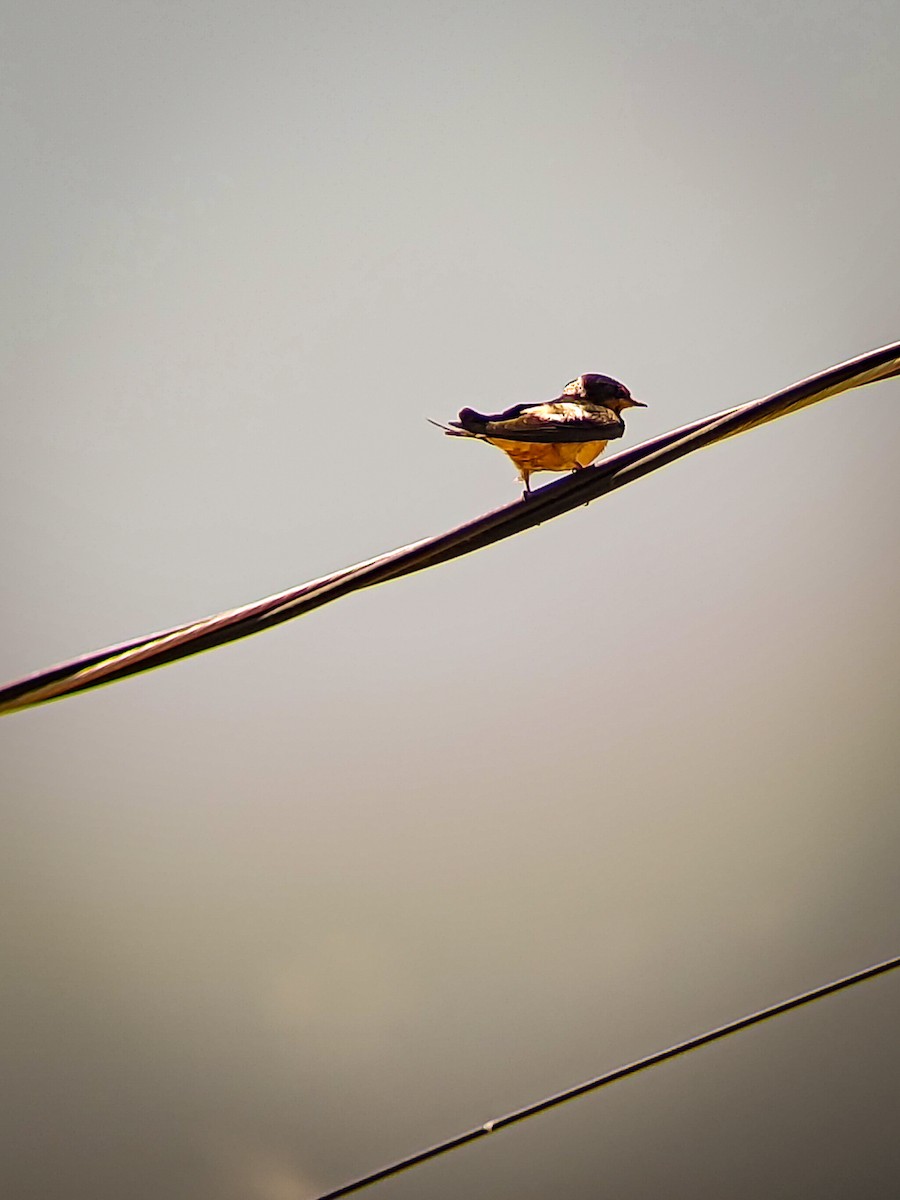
{"x": 286, "y": 911}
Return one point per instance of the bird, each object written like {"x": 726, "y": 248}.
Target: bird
{"x": 564, "y": 434}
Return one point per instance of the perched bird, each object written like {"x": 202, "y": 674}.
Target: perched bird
{"x": 564, "y": 434}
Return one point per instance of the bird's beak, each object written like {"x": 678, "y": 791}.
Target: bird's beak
{"x": 637, "y": 403}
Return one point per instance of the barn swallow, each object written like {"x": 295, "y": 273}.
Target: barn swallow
{"x": 564, "y": 434}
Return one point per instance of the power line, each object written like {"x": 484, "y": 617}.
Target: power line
{"x": 592, "y": 1085}
{"x": 156, "y": 649}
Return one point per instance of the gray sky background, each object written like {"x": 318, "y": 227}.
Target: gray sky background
{"x": 286, "y": 911}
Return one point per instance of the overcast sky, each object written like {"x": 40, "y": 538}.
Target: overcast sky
{"x": 283, "y": 912}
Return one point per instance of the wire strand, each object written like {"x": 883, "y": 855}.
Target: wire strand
{"x": 156, "y": 649}
{"x": 593, "y": 1085}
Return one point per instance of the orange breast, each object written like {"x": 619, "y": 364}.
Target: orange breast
{"x": 549, "y": 456}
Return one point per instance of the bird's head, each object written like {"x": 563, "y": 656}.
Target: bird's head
{"x": 602, "y": 389}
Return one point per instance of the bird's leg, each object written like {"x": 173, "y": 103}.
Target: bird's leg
{"x": 575, "y": 469}
{"x": 525, "y": 476}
